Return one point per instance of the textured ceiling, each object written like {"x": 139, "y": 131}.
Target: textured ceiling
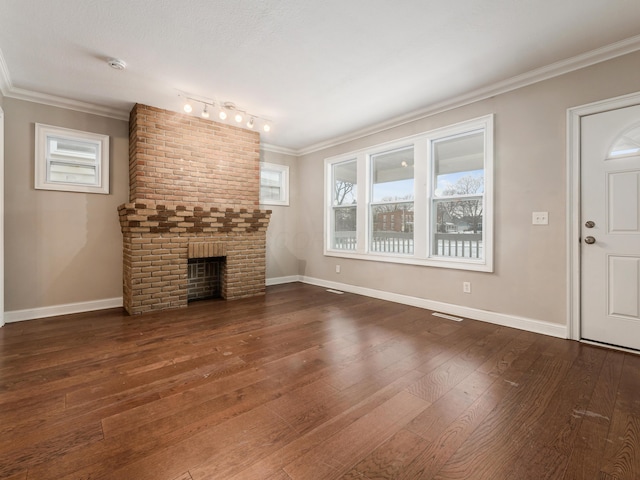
{"x": 319, "y": 70}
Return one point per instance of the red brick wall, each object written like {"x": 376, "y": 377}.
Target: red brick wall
{"x": 186, "y": 160}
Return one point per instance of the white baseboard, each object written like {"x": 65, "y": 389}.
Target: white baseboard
{"x": 281, "y": 280}
{"x": 521, "y": 323}
{"x": 55, "y": 310}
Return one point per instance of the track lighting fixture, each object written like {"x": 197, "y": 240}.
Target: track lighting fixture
{"x": 224, "y": 109}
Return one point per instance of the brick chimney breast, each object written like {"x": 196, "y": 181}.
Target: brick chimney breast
{"x": 192, "y": 182}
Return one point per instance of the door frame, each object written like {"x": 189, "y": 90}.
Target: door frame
{"x": 1, "y": 217}
{"x": 574, "y": 116}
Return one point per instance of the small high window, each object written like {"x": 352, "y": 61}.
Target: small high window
{"x": 274, "y": 184}
{"x": 71, "y": 160}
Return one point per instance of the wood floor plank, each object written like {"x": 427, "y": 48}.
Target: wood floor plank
{"x": 553, "y": 435}
{"x": 302, "y": 384}
{"x": 428, "y": 462}
{"x": 338, "y": 453}
{"x": 332, "y": 425}
{"x": 215, "y": 453}
{"x": 495, "y": 445}
{"x": 587, "y": 455}
{"x": 622, "y": 454}
{"x": 390, "y": 459}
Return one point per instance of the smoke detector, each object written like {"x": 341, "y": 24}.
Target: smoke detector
{"x": 116, "y": 64}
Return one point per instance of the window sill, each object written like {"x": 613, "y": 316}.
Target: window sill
{"x": 457, "y": 264}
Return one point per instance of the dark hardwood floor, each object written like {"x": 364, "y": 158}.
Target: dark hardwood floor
{"x": 304, "y": 384}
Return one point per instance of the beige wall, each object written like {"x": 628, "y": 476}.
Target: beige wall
{"x": 530, "y": 175}
{"x": 281, "y": 234}
{"x": 60, "y": 247}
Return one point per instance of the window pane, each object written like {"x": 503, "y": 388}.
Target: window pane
{"x": 392, "y": 202}
{"x": 344, "y": 231}
{"x": 270, "y": 193}
{"x": 627, "y": 144}
{"x": 392, "y": 175}
{"x": 344, "y": 212}
{"x": 69, "y": 173}
{"x": 459, "y": 165}
{"x": 72, "y": 161}
{"x": 345, "y": 183}
{"x": 459, "y": 228}
{"x": 392, "y": 228}
{"x": 270, "y": 184}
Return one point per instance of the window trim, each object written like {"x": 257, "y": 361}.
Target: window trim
{"x": 423, "y": 199}
{"x": 284, "y": 183}
{"x": 42, "y": 182}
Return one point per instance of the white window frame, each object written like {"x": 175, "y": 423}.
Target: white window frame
{"x": 42, "y": 174}
{"x": 283, "y": 170}
{"x": 423, "y": 199}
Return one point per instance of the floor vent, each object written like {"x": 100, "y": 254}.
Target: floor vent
{"x": 448, "y": 317}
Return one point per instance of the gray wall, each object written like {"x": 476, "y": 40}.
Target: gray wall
{"x": 530, "y": 275}
{"x": 60, "y": 247}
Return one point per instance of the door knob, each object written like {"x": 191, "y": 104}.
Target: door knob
{"x": 590, "y": 224}
{"x": 589, "y": 240}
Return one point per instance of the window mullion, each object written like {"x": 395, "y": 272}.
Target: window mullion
{"x": 362, "y": 219}
{"x": 421, "y": 210}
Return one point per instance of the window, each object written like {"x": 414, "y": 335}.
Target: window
{"x": 391, "y": 206}
{"x": 627, "y": 144}
{"x": 424, "y": 200}
{"x": 458, "y": 196}
{"x": 344, "y": 212}
{"x": 71, "y": 160}
{"x": 274, "y": 184}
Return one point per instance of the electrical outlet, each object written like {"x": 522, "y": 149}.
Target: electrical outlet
{"x": 337, "y": 268}
{"x": 466, "y": 287}
{"x": 540, "y": 218}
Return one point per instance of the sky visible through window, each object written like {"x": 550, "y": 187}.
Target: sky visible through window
{"x": 399, "y": 189}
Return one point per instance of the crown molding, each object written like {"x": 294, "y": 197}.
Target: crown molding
{"x": 5, "y": 79}
{"x": 547, "y": 72}
{"x": 61, "y": 102}
{"x": 584, "y": 60}
{"x": 8, "y": 90}
{"x": 267, "y": 147}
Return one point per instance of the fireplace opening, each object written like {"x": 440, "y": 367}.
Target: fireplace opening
{"x": 204, "y": 278}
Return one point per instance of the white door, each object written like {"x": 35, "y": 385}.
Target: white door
{"x": 610, "y": 227}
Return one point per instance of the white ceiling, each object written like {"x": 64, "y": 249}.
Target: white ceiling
{"x": 319, "y": 70}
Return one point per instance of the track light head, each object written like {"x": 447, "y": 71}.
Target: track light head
{"x": 187, "y": 107}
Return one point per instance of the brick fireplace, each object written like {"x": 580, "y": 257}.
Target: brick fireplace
{"x": 194, "y": 193}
